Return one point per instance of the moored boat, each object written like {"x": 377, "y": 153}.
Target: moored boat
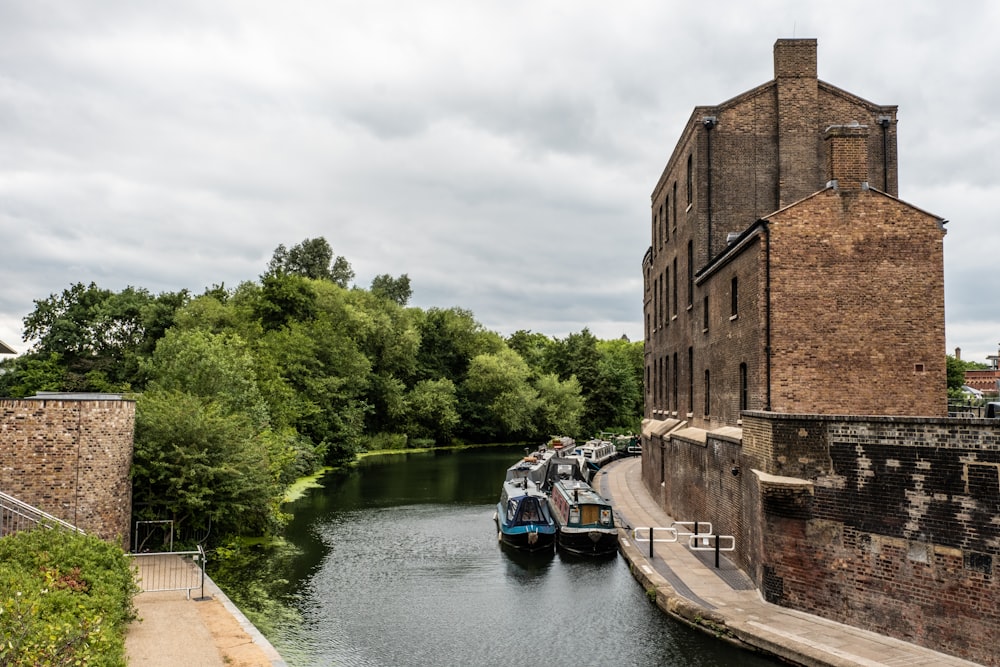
{"x": 523, "y": 517}
{"x": 593, "y": 454}
{"x": 585, "y": 521}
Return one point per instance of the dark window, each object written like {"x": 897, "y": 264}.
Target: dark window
{"x": 666, "y": 380}
{"x": 666, "y": 296}
{"x": 656, "y": 302}
{"x": 690, "y": 369}
{"x": 708, "y": 387}
{"x": 676, "y": 381}
{"x": 704, "y": 315}
{"x": 675, "y": 287}
{"x": 734, "y": 296}
{"x": 690, "y": 274}
{"x": 666, "y": 219}
{"x": 743, "y": 387}
{"x": 690, "y": 182}
{"x": 675, "y": 207}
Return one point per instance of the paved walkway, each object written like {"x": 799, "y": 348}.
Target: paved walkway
{"x": 725, "y": 602}
{"x": 174, "y": 629}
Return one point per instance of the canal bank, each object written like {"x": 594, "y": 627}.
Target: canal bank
{"x": 724, "y": 603}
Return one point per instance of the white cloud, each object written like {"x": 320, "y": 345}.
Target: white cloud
{"x": 500, "y": 153}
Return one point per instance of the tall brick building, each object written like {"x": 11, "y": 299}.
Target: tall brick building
{"x": 784, "y": 273}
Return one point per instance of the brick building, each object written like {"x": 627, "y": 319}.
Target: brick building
{"x": 784, "y": 273}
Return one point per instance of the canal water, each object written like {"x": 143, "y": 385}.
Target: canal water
{"x": 396, "y": 563}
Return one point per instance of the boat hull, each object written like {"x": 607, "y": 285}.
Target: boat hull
{"x": 588, "y": 542}
{"x": 527, "y": 538}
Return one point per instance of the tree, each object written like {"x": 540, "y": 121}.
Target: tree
{"x": 100, "y": 336}
{"x": 395, "y": 289}
{"x": 501, "y": 402}
{"x": 313, "y": 258}
{"x": 560, "y": 406}
{"x": 432, "y": 410}
{"x": 202, "y": 466}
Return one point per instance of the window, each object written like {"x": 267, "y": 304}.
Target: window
{"x": 675, "y": 287}
{"x": 708, "y": 386}
{"x": 690, "y": 274}
{"x": 666, "y": 378}
{"x": 666, "y": 218}
{"x": 743, "y": 387}
{"x": 666, "y": 296}
{"x": 663, "y": 224}
{"x": 704, "y": 313}
{"x": 656, "y": 302}
{"x": 734, "y": 297}
{"x": 676, "y": 381}
{"x": 675, "y": 207}
{"x": 690, "y": 182}
{"x": 690, "y": 404}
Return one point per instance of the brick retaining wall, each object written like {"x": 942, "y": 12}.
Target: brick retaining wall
{"x": 71, "y": 458}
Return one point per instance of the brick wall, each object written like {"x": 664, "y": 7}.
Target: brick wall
{"x": 71, "y": 459}
{"x": 892, "y": 524}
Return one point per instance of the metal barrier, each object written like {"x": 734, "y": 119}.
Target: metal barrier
{"x": 699, "y": 534}
{"x": 171, "y": 571}
{"x": 16, "y": 516}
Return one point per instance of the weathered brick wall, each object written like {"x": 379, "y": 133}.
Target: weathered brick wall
{"x": 887, "y": 523}
{"x": 857, "y": 307}
{"x": 71, "y": 459}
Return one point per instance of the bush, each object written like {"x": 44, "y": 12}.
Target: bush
{"x": 65, "y": 599}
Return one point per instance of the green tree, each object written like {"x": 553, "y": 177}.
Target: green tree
{"x": 432, "y": 410}
{"x": 500, "y": 401}
{"x": 560, "y": 406}
{"x": 313, "y": 258}
{"x": 396, "y": 290}
{"x": 202, "y": 466}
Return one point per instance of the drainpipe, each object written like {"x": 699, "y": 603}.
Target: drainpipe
{"x": 884, "y": 122}
{"x": 709, "y": 122}
{"x": 767, "y": 312}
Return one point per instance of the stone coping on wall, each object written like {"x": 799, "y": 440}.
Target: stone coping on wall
{"x": 885, "y": 419}
{"x": 659, "y": 427}
{"x": 733, "y": 434}
{"x": 694, "y": 436}
{"x": 767, "y": 479}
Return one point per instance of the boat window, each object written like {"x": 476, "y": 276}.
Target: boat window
{"x": 606, "y": 517}
{"x": 530, "y": 511}
{"x": 511, "y": 509}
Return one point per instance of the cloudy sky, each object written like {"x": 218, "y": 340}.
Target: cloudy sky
{"x": 501, "y": 154}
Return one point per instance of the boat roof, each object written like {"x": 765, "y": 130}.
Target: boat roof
{"x": 581, "y": 492}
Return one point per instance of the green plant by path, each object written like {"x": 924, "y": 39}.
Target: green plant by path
{"x": 65, "y": 599}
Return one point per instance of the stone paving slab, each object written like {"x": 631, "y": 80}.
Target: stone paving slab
{"x": 688, "y": 588}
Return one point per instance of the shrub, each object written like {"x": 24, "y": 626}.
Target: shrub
{"x": 65, "y": 599}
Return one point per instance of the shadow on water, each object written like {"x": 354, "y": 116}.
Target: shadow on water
{"x": 398, "y": 563}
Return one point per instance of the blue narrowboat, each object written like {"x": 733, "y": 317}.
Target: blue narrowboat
{"x": 523, "y": 518}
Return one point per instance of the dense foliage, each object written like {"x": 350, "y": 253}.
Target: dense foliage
{"x": 956, "y": 374}
{"x": 65, "y": 599}
{"x": 242, "y": 390}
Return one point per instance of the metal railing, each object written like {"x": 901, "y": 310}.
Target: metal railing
{"x": 698, "y": 533}
{"x": 16, "y": 516}
{"x": 171, "y": 571}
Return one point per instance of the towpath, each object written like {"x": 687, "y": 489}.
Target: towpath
{"x": 725, "y": 602}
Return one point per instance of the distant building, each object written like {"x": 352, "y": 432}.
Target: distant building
{"x": 6, "y": 349}
{"x": 986, "y": 380}
{"x": 784, "y": 274}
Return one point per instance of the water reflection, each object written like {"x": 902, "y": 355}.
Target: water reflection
{"x": 400, "y": 565}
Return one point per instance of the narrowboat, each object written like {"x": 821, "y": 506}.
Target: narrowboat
{"x": 593, "y": 454}
{"x": 524, "y": 520}
{"x": 585, "y": 521}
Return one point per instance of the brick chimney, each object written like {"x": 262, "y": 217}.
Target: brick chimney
{"x": 799, "y": 172}
{"x": 795, "y": 58}
{"x": 847, "y": 155}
